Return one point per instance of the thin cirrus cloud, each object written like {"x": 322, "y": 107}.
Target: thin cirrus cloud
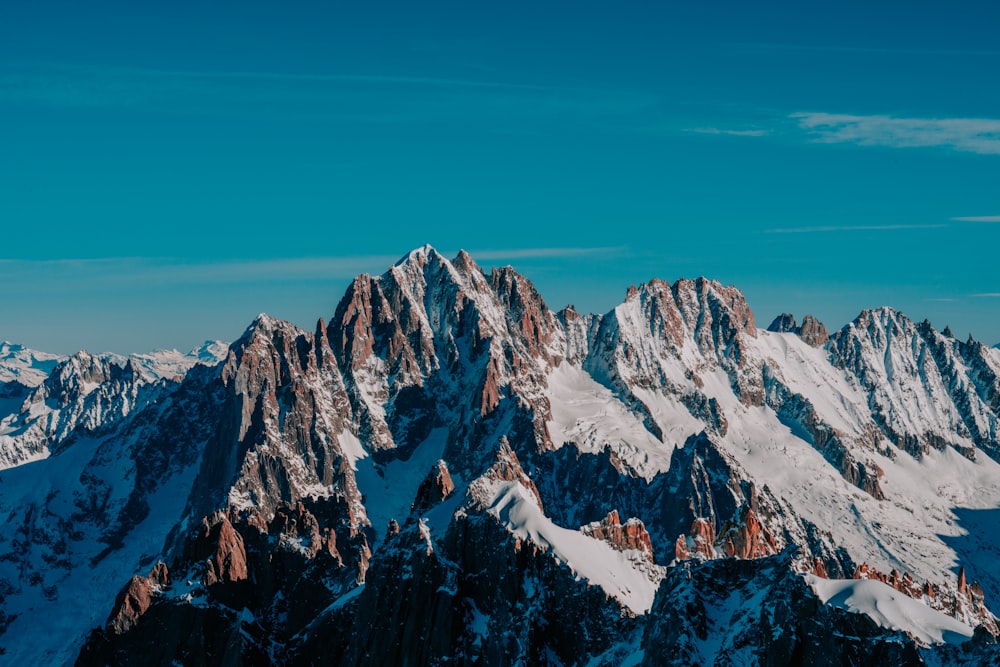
{"x": 832, "y": 229}
{"x": 977, "y": 218}
{"x": 144, "y": 272}
{"x": 346, "y": 96}
{"x": 545, "y": 253}
{"x": 971, "y": 135}
{"x": 719, "y": 131}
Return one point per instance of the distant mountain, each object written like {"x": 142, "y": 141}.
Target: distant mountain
{"x": 448, "y": 470}
{"x": 82, "y": 391}
{"x": 23, "y": 365}
{"x": 171, "y": 363}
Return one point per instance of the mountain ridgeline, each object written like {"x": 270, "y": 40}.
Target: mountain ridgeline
{"x": 447, "y": 471}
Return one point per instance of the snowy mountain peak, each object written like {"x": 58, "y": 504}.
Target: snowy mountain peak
{"x": 812, "y": 331}
{"x": 419, "y": 256}
{"x": 926, "y": 390}
{"x": 575, "y": 488}
{"x": 24, "y": 365}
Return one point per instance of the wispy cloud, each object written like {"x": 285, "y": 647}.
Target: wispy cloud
{"x": 972, "y": 135}
{"x": 987, "y": 295}
{"x": 143, "y": 272}
{"x": 156, "y": 271}
{"x": 544, "y": 253}
{"x": 729, "y": 132}
{"x": 848, "y": 228}
{"x": 354, "y": 97}
{"x": 819, "y": 48}
{"x": 978, "y": 218}
{"x": 238, "y": 75}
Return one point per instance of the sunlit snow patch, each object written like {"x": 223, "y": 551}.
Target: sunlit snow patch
{"x": 890, "y": 609}
{"x": 634, "y": 584}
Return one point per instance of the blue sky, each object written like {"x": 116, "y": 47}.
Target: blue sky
{"x": 167, "y": 173}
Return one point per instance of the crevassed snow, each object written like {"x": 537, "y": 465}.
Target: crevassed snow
{"x": 807, "y": 371}
{"x": 587, "y": 414}
{"x": 908, "y": 531}
{"x": 890, "y": 609}
{"x": 590, "y": 558}
{"x": 918, "y": 528}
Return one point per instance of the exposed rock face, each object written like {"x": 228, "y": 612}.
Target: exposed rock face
{"x": 229, "y": 562}
{"x": 437, "y": 486}
{"x": 812, "y": 331}
{"x": 922, "y": 386}
{"x": 784, "y": 323}
{"x": 132, "y": 602}
{"x": 699, "y": 543}
{"x": 630, "y": 535}
{"x": 136, "y": 598}
{"x": 83, "y": 394}
{"x": 962, "y": 600}
{"x": 293, "y": 564}
{"x": 744, "y": 536}
{"x": 406, "y": 480}
{"x": 703, "y": 615}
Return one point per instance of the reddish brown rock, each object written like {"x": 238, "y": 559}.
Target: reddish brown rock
{"x": 536, "y": 322}
{"x": 699, "y": 542}
{"x": 229, "y": 562}
{"x": 743, "y": 536}
{"x": 136, "y": 597}
{"x": 437, "y": 486}
{"x": 489, "y": 393}
{"x": 819, "y": 569}
{"x": 681, "y": 551}
{"x": 631, "y": 535}
{"x": 964, "y": 601}
{"x": 507, "y": 468}
{"x": 159, "y": 575}
{"x": 813, "y": 332}
{"x": 131, "y": 603}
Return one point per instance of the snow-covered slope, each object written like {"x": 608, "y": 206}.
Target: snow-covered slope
{"x": 160, "y": 364}
{"x": 890, "y": 609}
{"x": 24, "y": 365}
{"x": 446, "y": 442}
{"x": 89, "y": 392}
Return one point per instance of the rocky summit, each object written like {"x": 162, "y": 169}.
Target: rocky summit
{"x": 446, "y": 471}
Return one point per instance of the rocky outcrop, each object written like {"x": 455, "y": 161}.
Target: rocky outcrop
{"x": 962, "y": 600}
{"x": 699, "y": 543}
{"x": 812, "y": 331}
{"x": 743, "y": 536}
{"x": 627, "y": 536}
{"x": 922, "y": 393}
{"x": 436, "y": 487}
{"x": 136, "y": 598}
{"x": 434, "y": 445}
{"x": 834, "y": 445}
{"x": 228, "y": 560}
{"x": 733, "y": 611}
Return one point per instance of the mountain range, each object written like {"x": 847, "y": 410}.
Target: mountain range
{"x": 445, "y": 470}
